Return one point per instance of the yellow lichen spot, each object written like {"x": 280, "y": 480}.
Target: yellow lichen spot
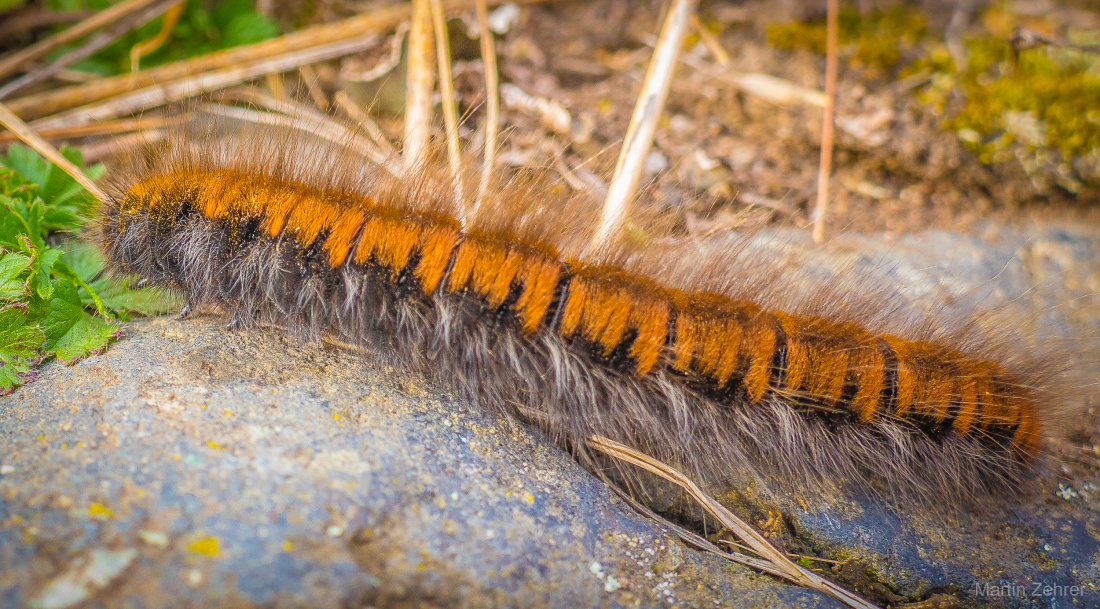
{"x": 203, "y": 406}
{"x": 288, "y": 547}
{"x": 335, "y": 417}
{"x": 177, "y": 456}
{"x": 41, "y": 438}
{"x": 214, "y": 445}
{"x": 228, "y": 413}
{"x": 64, "y": 446}
{"x": 205, "y": 546}
{"x": 529, "y": 498}
{"x": 100, "y": 511}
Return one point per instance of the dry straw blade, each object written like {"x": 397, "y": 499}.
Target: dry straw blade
{"x": 643, "y": 124}
{"x": 16, "y": 125}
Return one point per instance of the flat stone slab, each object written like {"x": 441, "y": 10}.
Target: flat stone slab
{"x": 190, "y": 465}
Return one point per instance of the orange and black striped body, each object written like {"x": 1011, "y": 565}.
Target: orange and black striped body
{"x": 715, "y": 343}
{"x": 695, "y": 377}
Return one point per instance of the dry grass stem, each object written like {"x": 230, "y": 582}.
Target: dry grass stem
{"x": 104, "y": 128}
{"x": 16, "y": 61}
{"x": 765, "y": 86}
{"x": 376, "y": 21}
{"x": 256, "y": 97}
{"x": 825, "y": 167}
{"x": 313, "y": 85}
{"x": 122, "y": 144}
{"x": 419, "y": 84}
{"x": 198, "y": 84}
{"x": 695, "y": 540}
{"x": 643, "y": 124}
{"x": 92, "y": 45}
{"x": 552, "y": 115}
{"x": 274, "y": 82}
{"x": 21, "y": 22}
{"x": 16, "y": 125}
{"x": 145, "y": 47}
{"x": 392, "y": 60}
{"x": 447, "y": 92}
{"x": 366, "y": 123}
{"x": 328, "y": 131}
{"x": 306, "y": 118}
{"x": 51, "y": 102}
{"x": 743, "y": 531}
{"x": 710, "y": 41}
{"x": 492, "y": 99}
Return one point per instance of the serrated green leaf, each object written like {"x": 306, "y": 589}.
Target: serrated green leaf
{"x": 68, "y": 203}
{"x": 21, "y": 218}
{"x": 71, "y": 332}
{"x": 82, "y": 258}
{"x": 19, "y": 344}
{"x": 42, "y": 267}
{"x": 13, "y": 283}
{"x": 116, "y": 293}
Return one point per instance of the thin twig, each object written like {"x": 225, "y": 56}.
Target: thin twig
{"x": 16, "y": 125}
{"x": 419, "y": 84}
{"x": 16, "y": 61}
{"x": 91, "y": 46}
{"x": 145, "y": 47}
{"x": 710, "y": 41}
{"x": 825, "y": 168}
{"x": 643, "y": 124}
{"x": 757, "y": 542}
{"x": 492, "y": 99}
{"x": 198, "y": 84}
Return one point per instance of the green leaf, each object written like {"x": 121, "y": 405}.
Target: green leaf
{"x": 83, "y": 258}
{"x": 71, "y": 332}
{"x": 21, "y": 218}
{"x": 248, "y": 28}
{"x": 19, "y": 344}
{"x": 204, "y": 27}
{"x": 118, "y": 294}
{"x": 42, "y": 268}
{"x": 68, "y": 204}
{"x": 13, "y": 285}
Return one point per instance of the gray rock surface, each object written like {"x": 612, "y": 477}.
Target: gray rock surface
{"x": 192, "y": 466}
{"x": 195, "y": 466}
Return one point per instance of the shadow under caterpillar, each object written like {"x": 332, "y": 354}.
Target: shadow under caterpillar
{"x": 278, "y": 231}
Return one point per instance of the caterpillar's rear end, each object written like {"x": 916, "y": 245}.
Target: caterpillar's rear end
{"x": 704, "y": 378}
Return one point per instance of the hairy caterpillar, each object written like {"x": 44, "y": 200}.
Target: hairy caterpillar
{"x": 621, "y": 344}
